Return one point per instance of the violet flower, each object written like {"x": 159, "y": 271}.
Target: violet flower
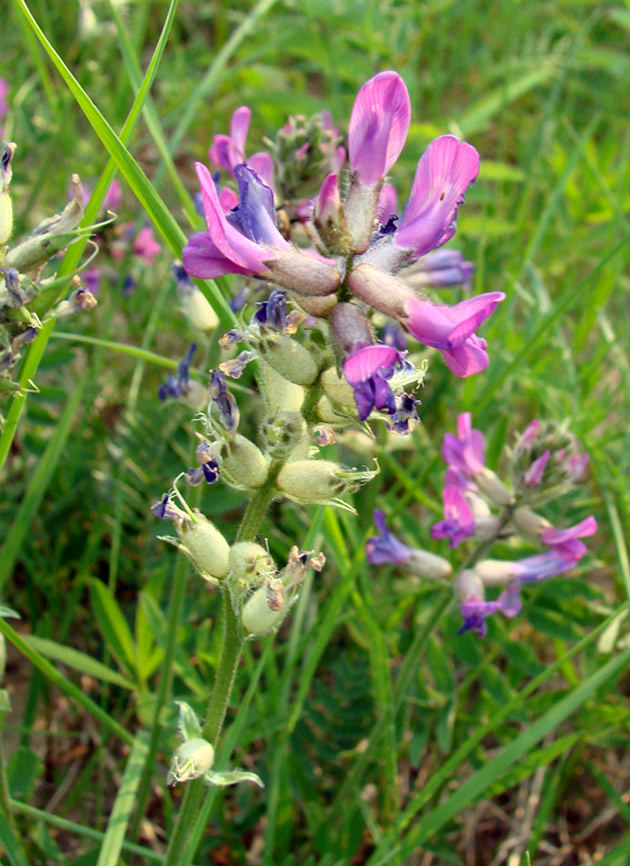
{"x": 385, "y": 547}
{"x": 228, "y": 151}
{"x": 176, "y": 386}
{"x": 445, "y": 171}
{"x": 247, "y": 240}
{"x": 465, "y": 452}
{"x": 368, "y": 370}
{"x": 566, "y": 541}
{"x": 439, "y": 269}
{"x": 145, "y": 246}
{"x": 459, "y": 522}
{"x": 451, "y": 330}
{"x": 113, "y": 196}
{"x": 475, "y": 610}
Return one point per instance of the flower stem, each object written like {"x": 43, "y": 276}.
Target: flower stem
{"x": 217, "y": 707}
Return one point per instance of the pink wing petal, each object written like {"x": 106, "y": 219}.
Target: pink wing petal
{"x": 363, "y": 364}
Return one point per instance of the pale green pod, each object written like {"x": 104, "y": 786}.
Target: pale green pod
{"x": 191, "y": 760}
{"x": 289, "y": 358}
{"x": 250, "y": 563}
{"x": 311, "y": 480}
{"x": 278, "y": 392}
{"x": 205, "y": 545}
{"x": 336, "y": 388}
{"x": 258, "y": 617}
{"x": 243, "y": 464}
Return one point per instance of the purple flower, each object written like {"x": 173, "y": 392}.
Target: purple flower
{"x": 4, "y": 92}
{"x": 272, "y": 313}
{"x": 445, "y": 170}
{"x": 224, "y": 402}
{"x": 368, "y": 371}
{"x": 439, "y": 269}
{"x": 145, "y": 245}
{"x": 228, "y": 151}
{"x": 534, "y": 473}
{"x": 466, "y": 451}
{"x": 475, "y": 609}
{"x": 452, "y": 330}
{"x": 385, "y": 547}
{"x": 175, "y": 386}
{"x": 406, "y": 414}
{"x": 459, "y": 522}
{"x": 225, "y": 248}
{"x": 378, "y": 126}
{"x": 566, "y": 541}
{"x": 113, "y": 196}
{"x": 247, "y": 240}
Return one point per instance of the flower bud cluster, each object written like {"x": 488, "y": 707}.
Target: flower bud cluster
{"x": 479, "y": 505}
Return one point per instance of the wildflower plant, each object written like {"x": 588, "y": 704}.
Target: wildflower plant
{"x": 325, "y": 240}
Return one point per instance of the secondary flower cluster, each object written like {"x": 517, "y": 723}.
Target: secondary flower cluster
{"x": 345, "y": 253}
{"x": 479, "y": 505}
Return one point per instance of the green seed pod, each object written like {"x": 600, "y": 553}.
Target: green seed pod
{"x": 336, "y": 388}
{"x": 283, "y": 432}
{"x": 191, "y": 760}
{"x": 315, "y": 481}
{"x": 250, "y": 563}
{"x": 258, "y": 617}
{"x": 243, "y": 464}
{"x": 205, "y": 546}
{"x": 278, "y": 392}
{"x": 289, "y": 358}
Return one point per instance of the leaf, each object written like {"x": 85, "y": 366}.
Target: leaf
{"x": 188, "y": 724}
{"x": 77, "y": 660}
{"x": 23, "y": 769}
{"x": 123, "y": 805}
{"x": 113, "y": 625}
{"x": 10, "y": 844}
{"x": 232, "y": 777}
{"x": 8, "y": 612}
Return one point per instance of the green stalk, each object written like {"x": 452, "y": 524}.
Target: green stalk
{"x": 217, "y": 707}
{"x": 5, "y": 796}
{"x": 176, "y": 603}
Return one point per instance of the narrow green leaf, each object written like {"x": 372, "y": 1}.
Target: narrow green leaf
{"x": 38, "y": 484}
{"x": 113, "y": 625}
{"x": 144, "y": 191}
{"x": 10, "y": 844}
{"x": 79, "y": 661}
{"x": 51, "y": 673}
{"x": 123, "y": 805}
{"x": 478, "y": 115}
{"x": 480, "y": 781}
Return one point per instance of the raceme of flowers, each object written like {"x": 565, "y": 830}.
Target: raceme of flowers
{"x": 479, "y": 506}
{"x": 345, "y": 253}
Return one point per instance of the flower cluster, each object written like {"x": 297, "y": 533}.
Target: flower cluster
{"x": 479, "y": 505}
{"x": 345, "y": 254}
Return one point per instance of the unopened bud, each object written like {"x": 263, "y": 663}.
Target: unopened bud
{"x": 530, "y": 522}
{"x": 351, "y": 328}
{"x": 243, "y": 464}
{"x": 382, "y": 291}
{"x": 205, "y": 546}
{"x": 283, "y": 431}
{"x": 318, "y": 307}
{"x": 360, "y": 209}
{"x": 428, "y": 565}
{"x": 496, "y": 491}
{"x": 191, "y": 761}
{"x": 329, "y": 219}
{"x": 495, "y": 571}
{"x": 468, "y": 584}
{"x": 196, "y": 307}
{"x": 6, "y": 207}
{"x": 337, "y": 388}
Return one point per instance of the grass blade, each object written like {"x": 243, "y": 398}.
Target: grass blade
{"x": 123, "y": 805}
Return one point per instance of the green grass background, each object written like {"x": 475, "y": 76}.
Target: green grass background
{"x": 381, "y": 736}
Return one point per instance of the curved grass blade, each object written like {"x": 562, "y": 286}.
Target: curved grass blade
{"x": 123, "y": 805}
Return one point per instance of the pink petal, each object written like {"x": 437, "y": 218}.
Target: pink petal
{"x": 262, "y": 163}
{"x": 469, "y": 358}
{"x": 363, "y": 364}
{"x": 201, "y": 258}
{"x": 239, "y": 125}
{"x": 378, "y": 126}
{"x": 586, "y": 527}
{"x": 469, "y": 314}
